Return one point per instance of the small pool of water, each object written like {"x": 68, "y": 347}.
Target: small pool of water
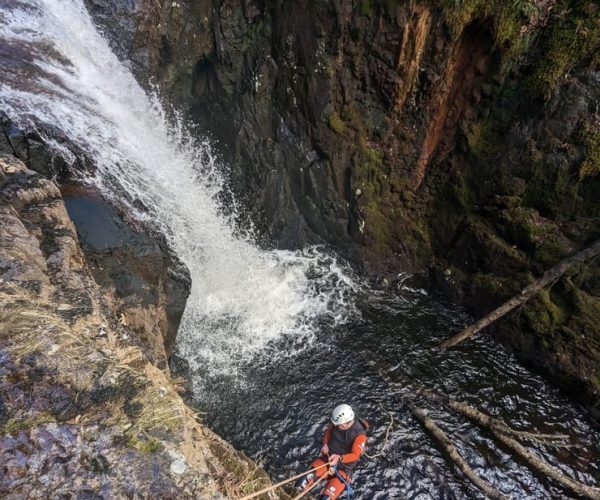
{"x": 98, "y": 225}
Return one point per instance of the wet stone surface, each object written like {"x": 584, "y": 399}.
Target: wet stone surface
{"x": 148, "y": 282}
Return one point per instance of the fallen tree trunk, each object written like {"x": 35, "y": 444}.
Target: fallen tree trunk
{"x": 531, "y": 458}
{"x": 499, "y": 429}
{"x": 528, "y": 292}
{"x": 503, "y": 433}
{"x": 453, "y": 453}
{"x": 484, "y": 419}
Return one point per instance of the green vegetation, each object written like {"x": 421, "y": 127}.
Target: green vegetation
{"x": 462, "y": 193}
{"x": 15, "y": 425}
{"x": 144, "y": 443}
{"x": 336, "y": 123}
{"x": 571, "y": 39}
{"x": 507, "y": 19}
{"x": 527, "y": 226}
{"x": 483, "y": 138}
{"x": 373, "y": 159}
{"x": 149, "y": 446}
{"x": 491, "y": 285}
{"x": 368, "y": 177}
{"x": 350, "y": 124}
{"x": 570, "y": 33}
{"x": 367, "y": 7}
{"x": 542, "y": 314}
{"x": 590, "y": 138}
{"x": 552, "y": 248}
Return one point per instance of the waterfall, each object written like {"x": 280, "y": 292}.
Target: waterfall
{"x": 59, "y": 72}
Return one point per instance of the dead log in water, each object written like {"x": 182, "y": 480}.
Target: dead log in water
{"x": 497, "y": 427}
{"x": 526, "y": 294}
{"x": 502, "y": 433}
{"x": 450, "y": 450}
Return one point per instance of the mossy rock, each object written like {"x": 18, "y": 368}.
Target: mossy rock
{"x": 543, "y": 315}
{"x": 507, "y": 201}
{"x": 484, "y": 250}
{"x": 572, "y": 38}
{"x": 553, "y": 248}
{"x": 526, "y": 227}
{"x": 483, "y": 138}
{"x": 489, "y": 290}
{"x": 590, "y": 138}
{"x": 336, "y": 123}
{"x": 505, "y": 18}
{"x": 14, "y": 425}
{"x": 586, "y": 312}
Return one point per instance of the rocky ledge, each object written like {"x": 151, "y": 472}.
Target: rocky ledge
{"x": 83, "y": 410}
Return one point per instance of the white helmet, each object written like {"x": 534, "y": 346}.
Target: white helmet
{"x": 342, "y": 414}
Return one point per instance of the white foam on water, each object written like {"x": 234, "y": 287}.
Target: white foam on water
{"x": 62, "y": 74}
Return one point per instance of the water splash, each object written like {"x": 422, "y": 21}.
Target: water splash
{"x": 59, "y": 72}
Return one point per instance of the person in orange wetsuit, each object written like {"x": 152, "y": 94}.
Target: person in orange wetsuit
{"x": 343, "y": 444}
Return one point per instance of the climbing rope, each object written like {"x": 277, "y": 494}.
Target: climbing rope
{"x": 285, "y": 481}
{"x": 307, "y": 491}
{"x": 348, "y": 490}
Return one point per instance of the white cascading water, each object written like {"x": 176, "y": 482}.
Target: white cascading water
{"x": 60, "y": 72}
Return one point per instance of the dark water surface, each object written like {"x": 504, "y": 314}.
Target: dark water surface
{"x": 277, "y": 408}
{"x": 97, "y": 224}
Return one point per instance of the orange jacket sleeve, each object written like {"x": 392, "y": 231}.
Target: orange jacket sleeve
{"x": 358, "y": 446}
{"x": 327, "y": 435}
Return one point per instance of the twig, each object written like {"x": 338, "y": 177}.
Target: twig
{"x": 387, "y": 435}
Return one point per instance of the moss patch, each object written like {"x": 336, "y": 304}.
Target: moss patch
{"x": 483, "y": 138}
{"x": 15, "y": 425}
{"x": 508, "y": 19}
{"x": 369, "y": 179}
{"x": 571, "y": 39}
{"x": 590, "y": 138}
{"x": 336, "y": 123}
{"x": 144, "y": 444}
{"x": 526, "y": 226}
{"x": 543, "y": 316}
{"x": 366, "y": 8}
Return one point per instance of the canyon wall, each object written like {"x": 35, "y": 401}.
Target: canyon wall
{"x": 454, "y": 138}
{"x": 460, "y": 139}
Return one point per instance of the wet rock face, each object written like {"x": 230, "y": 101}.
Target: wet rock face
{"x": 148, "y": 284}
{"x": 328, "y": 115}
{"x": 33, "y": 151}
{"x": 161, "y": 40}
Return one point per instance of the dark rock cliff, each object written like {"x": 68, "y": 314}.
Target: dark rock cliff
{"x": 457, "y": 137}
